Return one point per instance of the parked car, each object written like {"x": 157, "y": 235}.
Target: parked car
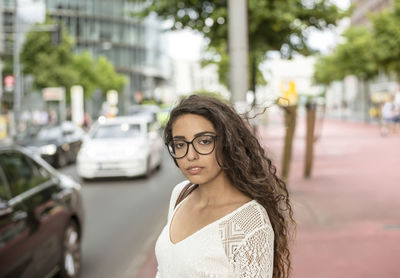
{"x": 57, "y": 144}
{"x": 123, "y": 146}
{"x": 41, "y": 217}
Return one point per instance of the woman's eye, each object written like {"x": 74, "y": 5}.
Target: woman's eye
{"x": 179, "y": 145}
{"x": 205, "y": 141}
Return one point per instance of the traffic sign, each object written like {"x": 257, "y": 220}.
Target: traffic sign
{"x": 9, "y": 82}
{"x": 53, "y": 93}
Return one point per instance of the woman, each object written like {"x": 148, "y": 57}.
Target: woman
{"x": 231, "y": 218}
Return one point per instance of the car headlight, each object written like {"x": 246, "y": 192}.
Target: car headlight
{"x": 48, "y": 149}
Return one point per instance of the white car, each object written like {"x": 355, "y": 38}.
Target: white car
{"x": 122, "y": 146}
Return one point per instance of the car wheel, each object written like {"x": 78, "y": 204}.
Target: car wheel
{"x": 70, "y": 264}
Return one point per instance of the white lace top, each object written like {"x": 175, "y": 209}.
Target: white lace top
{"x": 240, "y": 244}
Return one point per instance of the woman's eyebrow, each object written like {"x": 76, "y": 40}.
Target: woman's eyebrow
{"x": 196, "y": 135}
{"x": 204, "y": 133}
{"x": 179, "y": 137}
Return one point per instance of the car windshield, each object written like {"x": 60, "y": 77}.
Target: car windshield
{"x": 48, "y": 133}
{"x": 117, "y": 131}
{"x": 28, "y": 133}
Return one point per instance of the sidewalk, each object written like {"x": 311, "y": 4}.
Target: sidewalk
{"x": 348, "y": 213}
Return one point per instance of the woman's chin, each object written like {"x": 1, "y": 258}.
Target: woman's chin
{"x": 195, "y": 179}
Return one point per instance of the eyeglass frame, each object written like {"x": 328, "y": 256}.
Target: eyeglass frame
{"x": 214, "y": 136}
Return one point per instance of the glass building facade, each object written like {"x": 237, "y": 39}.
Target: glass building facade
{"x": 137, "y": 48}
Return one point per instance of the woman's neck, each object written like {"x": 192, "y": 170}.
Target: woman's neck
{"x": 218, "y": 192}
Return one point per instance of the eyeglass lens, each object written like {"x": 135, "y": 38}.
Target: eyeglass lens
{"x": 203, "y": 144}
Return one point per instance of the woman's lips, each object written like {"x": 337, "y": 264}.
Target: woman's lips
{"x": 194, "y": 170}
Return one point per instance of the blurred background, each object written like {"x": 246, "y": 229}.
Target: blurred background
{"x": 87, "y": 87}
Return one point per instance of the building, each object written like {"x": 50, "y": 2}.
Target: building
{"x": 365, "y": 7}
{"x": 189, "y": 76}
{"x": 107, "y": 28}
{"x": 280, "y": 73}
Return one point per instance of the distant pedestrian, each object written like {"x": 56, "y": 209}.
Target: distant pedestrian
{"x": 390, "y": 118}
{"x": 232, "y": 218}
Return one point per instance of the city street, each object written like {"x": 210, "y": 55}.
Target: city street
{"x": 123, "y": 218}
{"x": 88, "y": 86}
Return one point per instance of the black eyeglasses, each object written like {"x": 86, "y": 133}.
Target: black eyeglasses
{"x": 203, "y": 144}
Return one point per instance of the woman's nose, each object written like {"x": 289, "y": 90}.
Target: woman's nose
{"x": 192, "y": 154}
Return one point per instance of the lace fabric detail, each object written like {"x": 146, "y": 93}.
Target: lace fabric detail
{"x": 248, "y": 241}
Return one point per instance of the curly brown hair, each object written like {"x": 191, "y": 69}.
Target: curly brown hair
{"x": 247, "y": 166}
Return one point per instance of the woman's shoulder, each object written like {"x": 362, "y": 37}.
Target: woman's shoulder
{"x": 178, "y": 189}
{"x": 175, "y": 194}
{"x": 250, "y": 217}
{"x": 248, "y": 227}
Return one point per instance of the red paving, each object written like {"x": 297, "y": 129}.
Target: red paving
{"x": 348, "y": 213}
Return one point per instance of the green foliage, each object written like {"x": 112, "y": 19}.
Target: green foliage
{"x": 352, "y": 57}
{"x": 7, "y": 65}
{"x": 50, "y": 65}
{"x": 56, "y": 65}
{"x": 273, "y": 25}
{"x": 355, "y": 55}
{"x": 108, "y": 79}
{"x": 365, "y": 51}
{"x": 85, "y": 67}
{"x": 326, "y": 70}
{"x": 386, "y": 33}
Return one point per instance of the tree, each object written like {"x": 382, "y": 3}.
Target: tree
{"x": 326, "y": 70}
{"x": 85, "y": 67}
{"x": 108, "y": 79}
{"x": 55, "y": 65}
{"x": 281, "y": 25}
{"x": 50, "y": 65}
{"x": 386, "y": 34}
{"x": 352, "y": 57}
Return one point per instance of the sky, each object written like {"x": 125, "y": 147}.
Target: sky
{"x": 187, "y": 45}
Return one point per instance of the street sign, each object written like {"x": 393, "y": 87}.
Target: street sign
{"x": 9, "y": 82}
{"x": 53, "y": 93}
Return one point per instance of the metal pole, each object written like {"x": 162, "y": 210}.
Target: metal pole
{"x": 238, "y": 49}
{"x": 17, "y": 74}
{"x": 1, "y": 52}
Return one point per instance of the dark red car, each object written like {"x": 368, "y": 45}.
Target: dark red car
{"x": 41, "y": 218}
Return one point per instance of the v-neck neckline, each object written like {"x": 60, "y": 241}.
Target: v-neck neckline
{"x": 202, "y": 228}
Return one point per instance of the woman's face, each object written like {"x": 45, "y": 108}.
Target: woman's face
{"x": 197, "y": 168}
